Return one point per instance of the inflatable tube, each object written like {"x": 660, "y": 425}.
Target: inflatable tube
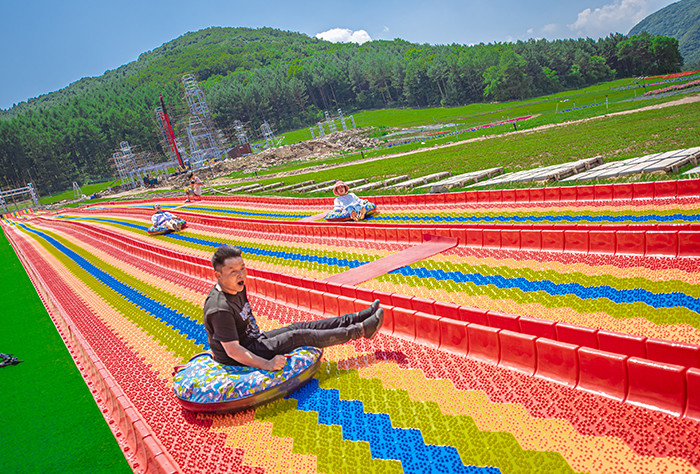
{"x": 204, "y": 385}
{"x": 161, "y": 229}
{"x": 344, "y": 215}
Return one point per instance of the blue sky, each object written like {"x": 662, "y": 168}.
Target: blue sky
{"x": 46, "y": 45}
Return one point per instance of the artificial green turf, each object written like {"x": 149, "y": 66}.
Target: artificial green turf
{"x": 50, "y": 422}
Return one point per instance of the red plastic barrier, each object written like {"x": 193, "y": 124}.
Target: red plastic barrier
{"x": 425, "y": 305}
{"x": 604, "y": 373}
{"x": 492, "y": 238}
{"x": 627, "y": 344}
{"x": 303, "y": 298}
{"x": 536, "y": 194}
{"x": 552, "y": 194}
{"x": 567, "y": 193}
{"x": 522, "y": 195}
{"x": 473, "y": 315}
{"x": 517, "y": 352}
{"x": 602, "y": 241}
{"x": 427, "y": 329}
{"x": 383, "y": 297}
{"x": 630, "y": 243}
{"x": 401, "y": 301}
{"x": 475, "y": 238}
{"x": 530, "y": 239}
{"x": 510, "y": 239}
{"x": 364, "y": 294}
{"x": 670, "y": 352}
{"x": 688, "y": 244}
{"x": 291, "y": 295}
{"x": 453, "y": 336}
{"x": 317, "y": 301}
{"x": 661, "y": 243}
{"x": 692, "y": 380}
{"x": 576, "y": 241}
{"x": 585, "y": 193}
{"x": 656, "y": 385}
{"x": 538, "y": 327}
{"x": 664, "y": 189}
{"x": 501, "y": 320}
{"x": 603, "y": 192}
{"x": 483, "y": 343}
{"x": 330, "y": 304}
{"x": 348, "y": 291}
{"x": 345, "y": 305}
{"x": 557, "y": 361}
{"x": 689, "y": 187}
{"x": 643, "y": 190}
{"x": 553, "y": 240}
{"x": 404, "y": 323}
{"x": 447, "y": 310}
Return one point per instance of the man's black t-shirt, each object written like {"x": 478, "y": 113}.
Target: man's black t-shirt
{"x": 228, "y": 318}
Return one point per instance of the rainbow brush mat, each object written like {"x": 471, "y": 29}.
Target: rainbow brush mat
{"x": 389, "y": 404}
{"x": 668, "y": 210}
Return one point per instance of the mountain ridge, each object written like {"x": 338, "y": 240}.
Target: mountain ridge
{"x": 680, "y": 20}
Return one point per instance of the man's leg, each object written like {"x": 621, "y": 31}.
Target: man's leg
{"x": 321, "y": 333}
{"x": 285, "y": 340}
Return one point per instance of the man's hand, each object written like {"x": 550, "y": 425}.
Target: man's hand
{"x": 277, "y": 362}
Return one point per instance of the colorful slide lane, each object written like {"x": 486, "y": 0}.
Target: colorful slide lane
{"x": 394, "y": 404}
{"x": 663, "y": 202}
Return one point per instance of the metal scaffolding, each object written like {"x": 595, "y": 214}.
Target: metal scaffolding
{"x": 29, "y": 189}
{"x": 203, "y": 144}
{"x": 125, "y": 163}
{"x": 240, "y": 132}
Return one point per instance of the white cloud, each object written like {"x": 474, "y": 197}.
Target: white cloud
{"x": 344, "y": 35}
{"x": 619, "y": 16}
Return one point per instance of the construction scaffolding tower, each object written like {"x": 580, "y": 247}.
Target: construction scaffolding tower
{"x": 203, "y": 144}
{"x": 125, "y": 163}
{"x": 203, "y": 147}
{"x": 195, "y": 96}
{"x": 331, "y": 123}
{"x": 241, "y": 136}
{"x": 267, "y": 134}
{"x": 11, "y": 193}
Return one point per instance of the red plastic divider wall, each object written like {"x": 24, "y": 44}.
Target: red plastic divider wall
{"x": 664, "y": 386}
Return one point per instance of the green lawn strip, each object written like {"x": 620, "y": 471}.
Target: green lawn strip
{"x": 182, "y": 347}
{"x": 50, "y": 422}
{"x": 614, "y": 137}
{"x": 556, "y": 277}
{"x": 660, "y": 316}
{"x": 475, "y": 447}
{"x": 333, "y": 453}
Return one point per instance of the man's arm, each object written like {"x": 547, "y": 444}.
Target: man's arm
{"x": 240, "y": 354}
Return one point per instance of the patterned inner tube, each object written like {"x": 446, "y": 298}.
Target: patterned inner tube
{"x": 205, "y": 385}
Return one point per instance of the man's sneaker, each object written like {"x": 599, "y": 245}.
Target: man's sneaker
{"x": 360, "y": 316}
{"x": 372, "y": 324}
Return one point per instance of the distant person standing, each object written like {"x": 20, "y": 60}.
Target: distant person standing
{"x": 195, "y": 188}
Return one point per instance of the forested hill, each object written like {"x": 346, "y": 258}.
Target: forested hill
{"x": 680, "y": 20}
{"x": 289, "y": 79}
